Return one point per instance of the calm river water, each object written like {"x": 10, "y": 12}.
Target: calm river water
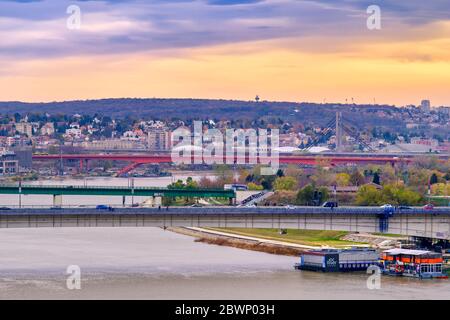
{"x": 47, "y": 200}
{"x": 149, "y": 263}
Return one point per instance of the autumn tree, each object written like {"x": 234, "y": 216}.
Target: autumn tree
{"x": 285, "y": 183}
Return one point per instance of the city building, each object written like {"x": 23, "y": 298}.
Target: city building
{"x": 9, "y": 165}
{"x": 24, "y": 128}
{"x": 73, "y": 133}
{"x": 409, "y": 148}
{"x": 426, "y": 142}
{"x": 444, "y": 110}
{"x": 48, "y": 129}
{"x": 24, "y": 156}
{"x": 112, "y": 144}
{"x": 159, "y": 140}
{"x": 425, "y": 106}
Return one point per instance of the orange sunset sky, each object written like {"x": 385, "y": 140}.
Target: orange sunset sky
{"x": 280, "y": 49}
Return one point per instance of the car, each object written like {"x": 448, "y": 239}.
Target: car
{"x": 197, "y": 205}
{"x": 428, "y": 206}
{"x": 289, "y": 207}
{"x": 56, "y": 208}
{"x": 104, "y": 207}
{"x": 388, "y": 209}
{"x": 330, "y": 204}
{"x": 404, "y": 208}
{"x": 5, "y": 208}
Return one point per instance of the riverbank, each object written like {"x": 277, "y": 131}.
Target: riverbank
{"x": 246, "y": 243}
{"x": 292, "y": 243}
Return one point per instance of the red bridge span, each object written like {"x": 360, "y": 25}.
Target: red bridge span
{"x": 136, "y": 160}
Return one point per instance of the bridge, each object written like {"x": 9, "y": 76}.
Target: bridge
{"x": 136, "y": 160}
{"x": 414, "y": 222}
{"x": 59, "y": 191}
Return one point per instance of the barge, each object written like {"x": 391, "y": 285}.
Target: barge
{"x": 421, "y": 264}
{"x": 338, "y": 260}
{"x": 395, "y": 262}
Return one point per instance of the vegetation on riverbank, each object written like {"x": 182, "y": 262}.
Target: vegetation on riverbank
{"x": 303, "y": 237}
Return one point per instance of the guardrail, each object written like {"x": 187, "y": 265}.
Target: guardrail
{"x": 368, "y": 211}
{"x": 31, "y": 186}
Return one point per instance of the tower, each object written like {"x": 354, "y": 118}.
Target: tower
{"x": 338, "y": 132}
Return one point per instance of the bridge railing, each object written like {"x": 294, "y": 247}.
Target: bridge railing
{"x": 227, "y": 210}
{"x": 32, "y": 186}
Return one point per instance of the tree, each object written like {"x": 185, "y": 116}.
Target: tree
{"x": 368, "y": 196}
{"x": 176, "y": 185}
{"x": 305, "y": 196}
{"x": 293, "y": 171}
{"x": 356, "y": 178}
{"x": 285, "y": 183}
{"x": 447, "y": 176}
{"x": 376, "y": 178}
{"x": 191, "y": 183}
{"x": 388, "y": 174}
{"x": 400, "y": 195}
{"x": 440, "y": 189}
{"x": 224, "y": 174}
{"x": 407, "y": 197}
{"x": 342, "y": 179}
{"x": 208, "y": 183}
{"x": 434, "y": 178}
{"x": 323, "y": 195}
{"x": 254, "y": 187}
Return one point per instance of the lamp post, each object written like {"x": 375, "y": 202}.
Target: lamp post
{"x": 20, "y": 192}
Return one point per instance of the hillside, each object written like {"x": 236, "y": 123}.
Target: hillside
{"x": 209, "y": 109}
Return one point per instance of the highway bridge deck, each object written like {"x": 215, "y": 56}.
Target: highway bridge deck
{"x": 413, "y": 222}
{"x": 115, "y": 191}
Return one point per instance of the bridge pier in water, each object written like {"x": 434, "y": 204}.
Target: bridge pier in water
{"x": 57, "y": 200}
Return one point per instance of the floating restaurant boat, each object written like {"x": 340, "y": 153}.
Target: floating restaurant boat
{"x": 412, "y": 263}
{"x": 338, "y": 260}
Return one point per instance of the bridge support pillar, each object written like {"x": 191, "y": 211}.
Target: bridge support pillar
{"x": 383, "y": 223}
{"x": 157, "y": 201}
{"x": 57, "y": 200}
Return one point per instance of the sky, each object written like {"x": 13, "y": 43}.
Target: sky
{"x": 281, "y": 50}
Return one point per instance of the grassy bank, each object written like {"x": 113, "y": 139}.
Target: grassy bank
{"x": 304, "y": 237}
{"x": 252, "y": 245}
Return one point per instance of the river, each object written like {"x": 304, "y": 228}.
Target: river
{"x": 149, "y": 263}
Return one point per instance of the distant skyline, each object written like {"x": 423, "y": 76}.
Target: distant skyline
{"x": 282, "y": 50}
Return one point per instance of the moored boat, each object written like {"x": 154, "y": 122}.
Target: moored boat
{"x": 421, "y": 264}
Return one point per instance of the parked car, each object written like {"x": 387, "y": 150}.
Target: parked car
{"x": 5, "y": 208}
{"x": 428, "y": 206}
{"x": 388, "y": 209}
{"x": 104, "y": 207}
{"x": 330, "y": 204}
{"x": 404, "y": 208}
{"x": 197, "y": 205}
{"x": 289, "y": 207}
